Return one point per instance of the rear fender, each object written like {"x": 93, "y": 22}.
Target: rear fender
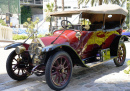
{"x": 14, "y": 45}
{"x": 115, "y": 43}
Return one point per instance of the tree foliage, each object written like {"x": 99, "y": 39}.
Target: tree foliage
{"x": 50, "y": 8}
{"x": 30, "y": 26}
{"x": 128, "y": 15}
{"x": 25, "y": 13}
{"x": 2, "y": 22}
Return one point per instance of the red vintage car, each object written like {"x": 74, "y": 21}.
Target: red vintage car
{"x": 84, "y": 37}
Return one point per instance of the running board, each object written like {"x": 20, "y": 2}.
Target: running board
{"x": 98, "y": 62}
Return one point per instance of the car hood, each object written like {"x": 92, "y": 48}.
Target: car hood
{"x": 49, "y": 39}
{"x": 67, "y": 37}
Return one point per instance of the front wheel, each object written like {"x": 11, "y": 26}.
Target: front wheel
{"x": 121, "y": 53}
{"x": 58, "y": 70}
{"x": 16, "y": 66}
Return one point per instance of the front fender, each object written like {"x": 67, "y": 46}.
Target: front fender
{"x": 14, "y": 45}
{"x": 73, "y": 54}
{"x": 52, "y": 47}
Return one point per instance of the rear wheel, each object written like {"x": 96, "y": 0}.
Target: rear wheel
{"x": 58, "y": 70}
{"x": 119, "y": 61}
{"x": 16, "y": 67}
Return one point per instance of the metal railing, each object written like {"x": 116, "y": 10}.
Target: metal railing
{"x": 5, "y": 33}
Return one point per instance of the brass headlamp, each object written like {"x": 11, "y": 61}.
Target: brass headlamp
{"x": 20, "y": 49}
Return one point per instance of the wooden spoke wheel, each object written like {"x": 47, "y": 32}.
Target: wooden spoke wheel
{"x": 121, "y": 53}
{"x": 58, "y": 70}
{"x": 16, "y": 68}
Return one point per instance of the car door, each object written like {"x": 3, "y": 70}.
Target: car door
{"x": 87, "y": 39}
{"x": 99, "y": 39}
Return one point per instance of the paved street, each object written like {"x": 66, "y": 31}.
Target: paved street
{"x": 104, "y": 77}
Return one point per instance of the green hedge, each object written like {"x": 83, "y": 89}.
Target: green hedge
{"x": 40, "y": 35}
{"x": 22, "y": 37}
{"x": 19, "y": 37}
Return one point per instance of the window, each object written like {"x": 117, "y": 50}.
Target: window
{"x": 84, "y": 6}
{"x": 75, "y": 7}
{"x": 67, "y": 7}
{"x": 59, "y": 7}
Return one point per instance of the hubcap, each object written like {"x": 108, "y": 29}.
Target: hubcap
{"x": 60, "y": 70}
{"x": 19, "y": 68}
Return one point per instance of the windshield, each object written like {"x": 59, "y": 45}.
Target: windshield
{"x": 73, "y": 22}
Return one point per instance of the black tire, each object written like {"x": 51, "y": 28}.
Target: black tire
{"x": 119, "y": 61}
{"x": 9, "y": 68}
{"x": 49, "y": 66}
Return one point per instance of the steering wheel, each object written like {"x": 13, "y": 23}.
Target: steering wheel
{"x": 66, "y": 23}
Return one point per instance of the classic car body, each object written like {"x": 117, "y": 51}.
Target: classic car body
{"x": 71, "y": 45}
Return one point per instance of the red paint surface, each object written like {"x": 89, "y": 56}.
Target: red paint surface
{"x": 26, "y": 46}
{"x": 81, "y": 47}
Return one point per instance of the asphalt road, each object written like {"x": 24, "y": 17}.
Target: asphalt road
{"x": 98, "y": 78}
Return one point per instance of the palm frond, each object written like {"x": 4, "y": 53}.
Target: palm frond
{"x": 112, "y": 1}
{"x": 86, "y": 2}
{"x": 117, "y": 2}
{"x": 80, "y": 1}
{"x": 106, "y": 1}
{"x": 123, "y": 2}
{"x": 92, "y": 2}
{"x": 50, "y": 7}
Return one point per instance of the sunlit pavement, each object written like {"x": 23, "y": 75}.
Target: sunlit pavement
{"x": 104, "y": 77}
